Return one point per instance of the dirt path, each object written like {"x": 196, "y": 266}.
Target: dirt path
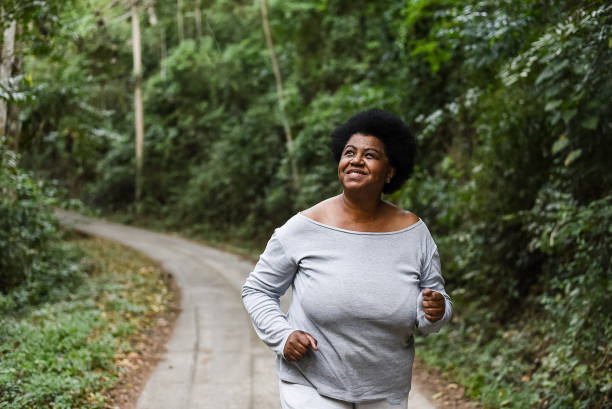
{"x": 214, "y": 359}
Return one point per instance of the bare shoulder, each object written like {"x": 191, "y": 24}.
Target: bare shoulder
{"x": 321, "y": 211}
{"x": 401, "y": 218}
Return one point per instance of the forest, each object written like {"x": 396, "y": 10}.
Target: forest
{"x": 510, "y": 102}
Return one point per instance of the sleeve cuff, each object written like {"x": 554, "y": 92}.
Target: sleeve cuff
{"x": 425, "y": 326}
{"x": 281, "y": 346}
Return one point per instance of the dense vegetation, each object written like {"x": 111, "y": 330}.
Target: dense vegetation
{"x": 70, "y": 352}
{"x": 33, "y": 256}
{"x": 511, "y": 102}
{"x": 70, "y": 310}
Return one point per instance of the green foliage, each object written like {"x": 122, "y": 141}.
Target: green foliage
{"x": 527, "y": 247}
{"x": 114, "y": 184}
{"x": 229, "y": 185}
{"x": 53, "y": 361}
{"x": 577, "y": 273}
{"x": 32, "y": 258}
{"x": 38, "y": 21}
{"x": 510, "y": 101}
{"x": 64, "y": 353}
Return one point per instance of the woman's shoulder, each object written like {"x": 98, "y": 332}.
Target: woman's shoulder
{"x": 321, "y": 211}
{"x": 298, "y": 230}
{"x": 301, "y": 223}
{"x": 400, "y": 218}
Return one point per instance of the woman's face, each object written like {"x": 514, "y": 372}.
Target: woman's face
{"x": 364, "y": 164}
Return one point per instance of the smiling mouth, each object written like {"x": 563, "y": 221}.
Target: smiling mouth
{"x": 355, "y": 171}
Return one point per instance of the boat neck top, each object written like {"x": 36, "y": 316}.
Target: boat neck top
{"x": 327, "y": 226}
{"x": 359, "y": 294}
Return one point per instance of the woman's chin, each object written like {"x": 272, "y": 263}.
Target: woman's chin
{"x": 360, "y": 187}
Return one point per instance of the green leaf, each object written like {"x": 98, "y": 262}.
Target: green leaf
{"x": 590, "y": 123}
{"x": 569, "y": 114}
{"x": 560, "y": 144}
{"x": 554, "y": 104}
{"x": 572, "y": 156}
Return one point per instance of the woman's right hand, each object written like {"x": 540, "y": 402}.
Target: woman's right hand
{"x": 297, "y": 345}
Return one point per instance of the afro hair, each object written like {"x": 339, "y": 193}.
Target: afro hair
{"x": 399, "y": 143}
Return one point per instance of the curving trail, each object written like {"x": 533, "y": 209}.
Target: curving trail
{"x": 214, "y": 360}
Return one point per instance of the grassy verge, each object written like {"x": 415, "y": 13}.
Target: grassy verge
{"x": 71, "y": 352}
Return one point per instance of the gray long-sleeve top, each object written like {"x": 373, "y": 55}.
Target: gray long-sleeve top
{"x": 359, "y": 294}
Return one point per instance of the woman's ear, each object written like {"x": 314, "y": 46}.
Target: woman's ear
{"x": 390, "y": 173}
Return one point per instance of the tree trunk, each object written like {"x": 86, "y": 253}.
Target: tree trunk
{"x": 153, "y": 22}
{"x": 6, "y": 68}
{"x": 179, "y": 20}
{"x": 13, "y": 126}
{"x": 138, "y": 111}
{"x": 198, "y": 18}
{"x": 163, "y": 52}
{"x": 152, "y": 15}
{"x": 279, "y": 92}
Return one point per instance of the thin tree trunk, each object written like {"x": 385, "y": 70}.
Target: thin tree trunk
{"x": 13, "y": 130}
{"x": 13, "y": 125}
{"x": 198, "y": 18}
{"x": 152, "y": 15}
{"x": 138, "y": 111}
{"x": 153, "y": 22}
{"x": 179, "y": 20}
{"x": 6, "y": 67}
{"x": 279, "y": 92}
{"x": 163, "y": 52}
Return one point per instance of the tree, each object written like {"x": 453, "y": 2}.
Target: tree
{"x": 279, "y": 92}
{"x": 197, "y": 14}
{"x": 6, "y": 71}
{"x": 179, "y": 19}
{"x": 138, "y": 110}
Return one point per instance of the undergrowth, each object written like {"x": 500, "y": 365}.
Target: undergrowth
{"x": 553, "y": 350}
{"x": 67, "y": 352}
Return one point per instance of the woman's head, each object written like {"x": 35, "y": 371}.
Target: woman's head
{"x": 398, "y": 142}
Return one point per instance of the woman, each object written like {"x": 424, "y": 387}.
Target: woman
{"x": 364, "y": 274}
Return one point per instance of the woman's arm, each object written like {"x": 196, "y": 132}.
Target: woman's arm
{"x": 429, "y": 303}
{"x": 272, "y": 275}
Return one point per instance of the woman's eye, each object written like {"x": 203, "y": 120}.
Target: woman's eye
{"x": 349, "y": 152}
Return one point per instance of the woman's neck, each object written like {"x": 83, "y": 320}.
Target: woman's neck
{"x": 364, "y": 208}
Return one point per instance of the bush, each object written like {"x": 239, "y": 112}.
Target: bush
{"x": 68, "y": 353}
{"x": 526, "y": 248}
{"x": 33, "y": 259}
{"x": 576, "y": 365}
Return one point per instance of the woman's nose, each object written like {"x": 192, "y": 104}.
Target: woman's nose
{"x": 357, "y": 159}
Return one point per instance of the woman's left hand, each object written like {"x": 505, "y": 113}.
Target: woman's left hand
{"x": 433, "y": 304}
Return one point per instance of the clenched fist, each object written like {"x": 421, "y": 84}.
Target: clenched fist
{"x": 297, "y": 345}
{"x": 433, "y": 305}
